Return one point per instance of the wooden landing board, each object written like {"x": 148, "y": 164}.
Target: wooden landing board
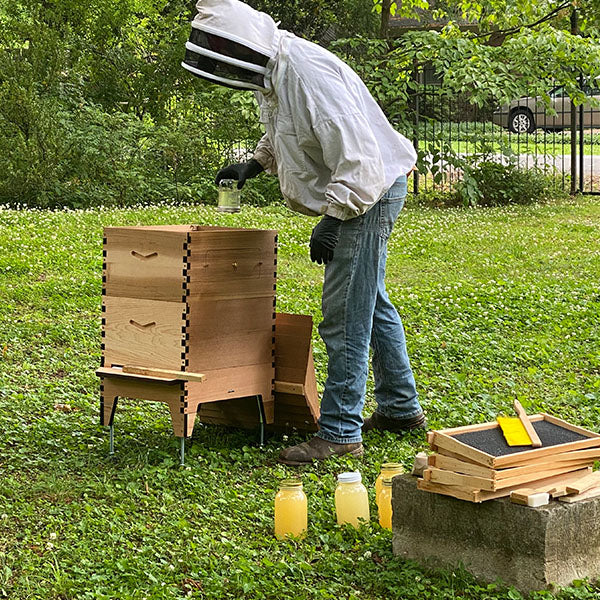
{"x": 163, "y": 373}
{"x": 120, "y": 374}
{"x": 472, "y": 441}
{"x": 481, "y": 495}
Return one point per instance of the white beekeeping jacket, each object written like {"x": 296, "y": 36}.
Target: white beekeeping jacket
{"x": 326, "y": 138}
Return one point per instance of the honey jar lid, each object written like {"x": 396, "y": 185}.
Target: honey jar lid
{"x": 290, "y": 484}
{"x": 349, "y": 477}
{"x": 389, "y": 466}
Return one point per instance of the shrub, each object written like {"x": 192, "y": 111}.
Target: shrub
{"x": 437, "y": 198}
{"x": 491, "y": 183}
{"x": 56, "y": 155}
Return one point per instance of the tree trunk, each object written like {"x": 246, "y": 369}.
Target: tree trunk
{"x": 385, "y": 18}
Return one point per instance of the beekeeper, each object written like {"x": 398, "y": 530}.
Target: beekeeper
{"x": 338, "y": 158}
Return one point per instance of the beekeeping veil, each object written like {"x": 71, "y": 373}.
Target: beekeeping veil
{"x": 231, "y": 44}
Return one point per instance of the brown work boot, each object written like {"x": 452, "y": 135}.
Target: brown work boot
{"x": 381, "y": 423}
{"x": 317, "y": 449}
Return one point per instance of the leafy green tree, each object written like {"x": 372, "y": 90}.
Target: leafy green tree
{"x": 95, "y": 107}
{"x": 520, "y": 49}
{"x": 321, "y": 20}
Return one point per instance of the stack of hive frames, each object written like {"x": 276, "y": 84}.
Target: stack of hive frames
{"x": 475, "y": 463}
{"x": 189, "y": 299}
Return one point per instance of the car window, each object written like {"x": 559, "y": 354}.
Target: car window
{"x": 558, "y": 92}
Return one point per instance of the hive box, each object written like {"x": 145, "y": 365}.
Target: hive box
{"x": 189, "y": 299}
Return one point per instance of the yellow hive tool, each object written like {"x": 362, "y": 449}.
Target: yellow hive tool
{"x": 519, "y": 431}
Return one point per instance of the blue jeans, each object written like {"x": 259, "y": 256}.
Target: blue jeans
{"x": 357, "y": 313}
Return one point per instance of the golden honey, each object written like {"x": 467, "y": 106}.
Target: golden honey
{"x": 291, "y": 510}
{"x": 390, "y": 469}
{"x": 385, "y": 503}
{"x": 351, "y": 499}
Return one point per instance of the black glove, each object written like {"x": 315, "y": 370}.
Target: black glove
{"x": 324, "y": 239}
{"x": 241, "y": 172}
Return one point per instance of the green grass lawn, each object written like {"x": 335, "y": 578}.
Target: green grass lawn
{"x": 498, "y": 304}
{"x": 527, "y": 145}
{"x": 475, "y": 138}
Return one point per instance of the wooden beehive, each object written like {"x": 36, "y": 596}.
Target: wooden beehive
{"x": 188, "y": 300}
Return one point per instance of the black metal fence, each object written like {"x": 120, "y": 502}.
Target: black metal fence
{"x": 449, "y": 132}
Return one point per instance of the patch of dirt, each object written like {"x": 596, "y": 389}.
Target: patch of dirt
{"x": 66, "y": 408}
{"x": 189, "y": 585}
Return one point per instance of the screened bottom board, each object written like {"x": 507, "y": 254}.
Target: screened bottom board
{"x": 492, "y": 440}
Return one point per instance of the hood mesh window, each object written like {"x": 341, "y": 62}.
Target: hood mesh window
{"x": 221, "y": 69}
{"x": 226, "y": 47}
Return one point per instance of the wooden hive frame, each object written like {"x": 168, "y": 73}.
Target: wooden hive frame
{"x": 544, "y": 463}
{"x": 478, "y": 495}
{"x": 469, "y": 473}
{"x": 445, "y": 441}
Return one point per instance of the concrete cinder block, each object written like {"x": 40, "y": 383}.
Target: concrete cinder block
{"x": 529, "y": 548}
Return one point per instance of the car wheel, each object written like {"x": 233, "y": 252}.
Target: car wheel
{"x": 521, "y": 121}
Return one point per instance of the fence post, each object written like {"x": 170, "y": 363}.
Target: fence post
{"x": 581, "y": 140}
{"x": 416, "y": 125}
{"x": 574, "y": 31}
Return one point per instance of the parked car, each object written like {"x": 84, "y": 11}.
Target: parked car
{"x": 526, "y": 114}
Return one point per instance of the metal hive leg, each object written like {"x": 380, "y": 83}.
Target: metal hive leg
{"x": 261, "y": 418}
{"x": 182, "y": 452}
